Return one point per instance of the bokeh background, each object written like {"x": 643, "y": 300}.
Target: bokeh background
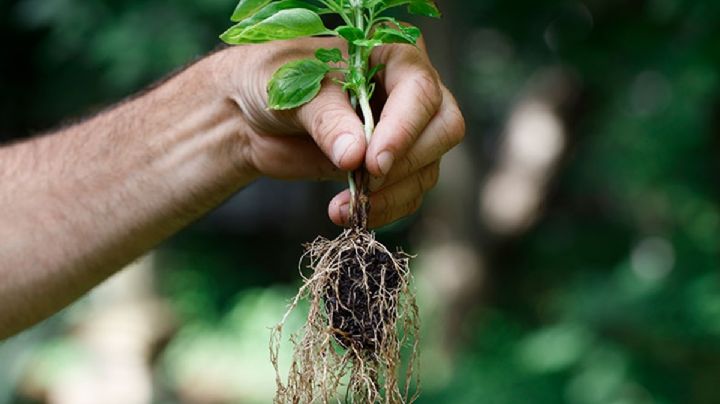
{"x": 570, "y": 254}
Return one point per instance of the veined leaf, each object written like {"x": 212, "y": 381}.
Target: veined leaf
{"x": 296, "y": 83}
{"x": 285, "y": 24}
{"x": 350, "y": 33}
{"x": 329, "y": 55}
{"x": 402, "y": 34}
{"x": 272, "y": 9}
{"x": 251, "y": 11}
{"x": 425, "y": 8}
{"x": 247, "y": 8}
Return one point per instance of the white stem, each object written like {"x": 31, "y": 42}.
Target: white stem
{"x": 367, "y": 114}
{"x": 360, "y": 65}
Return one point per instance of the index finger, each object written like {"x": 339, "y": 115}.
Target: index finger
{"x": 414, "y": 97}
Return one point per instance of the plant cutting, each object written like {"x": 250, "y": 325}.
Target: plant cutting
{"x": 362, "y": 311}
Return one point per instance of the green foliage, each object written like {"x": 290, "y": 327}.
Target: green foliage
{"x": 246, "y": 8}
{"x": 350, "y": 33}
{"x": 262, "y": 21}
{"x": 296, "y": 83}
{"x": 385, "y": 35}
{"x": 267, "y": 11}
{"x": 284, "y": 24}
{"x": 425, "y": 8}
{"x": 329, "y": 55}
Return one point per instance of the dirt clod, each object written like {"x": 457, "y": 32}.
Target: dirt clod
{"x": 352, "y": 292}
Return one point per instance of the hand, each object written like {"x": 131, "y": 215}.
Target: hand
{"x": 419, "y": 123}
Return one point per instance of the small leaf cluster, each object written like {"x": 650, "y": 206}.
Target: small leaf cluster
{"x": 365, "y": 27}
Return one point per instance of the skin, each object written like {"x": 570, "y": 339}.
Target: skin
{"x": 82, "y": 202}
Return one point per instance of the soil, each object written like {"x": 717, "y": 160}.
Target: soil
{"x": 354, "y": 299}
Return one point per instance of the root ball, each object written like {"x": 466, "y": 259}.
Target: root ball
{"x": 362, "y": 314}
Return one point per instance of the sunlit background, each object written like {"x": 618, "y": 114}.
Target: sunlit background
{"x": 570, "y": 254}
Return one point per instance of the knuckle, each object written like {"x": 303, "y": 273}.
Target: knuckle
{"x": 383, "y": 53}
{"x": 405, "y": 133}
{"x": 421, "y": 183}
{"x": 412, "y": 207}
{"x": 427, "y": 179}
{"x": 432, "y": 176}
{"x": 458, "y": 126}
{"x": 412, "y": 162}
{"x": 428, "y": 85}
{"x": 453, "y": 129}
{"x": 397, "y": 212}
{"x": 328, "y": 122}
{"x": 385, "y": 201}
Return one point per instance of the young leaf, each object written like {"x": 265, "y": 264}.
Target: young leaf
{"x": 329, "y": 55}
{"x": 247, "y": 8}
{"x": 296, "y": 83}
{"x": 350, "y": 33}
{"x": 285, "y": 24}
{"x": 272, "y": 9}
{"x": 354, "y": 80}
{"x": 425, "y": 8}
{"x": 403, "y": 34}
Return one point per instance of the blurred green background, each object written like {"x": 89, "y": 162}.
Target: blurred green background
{"x": 570, "y": 254}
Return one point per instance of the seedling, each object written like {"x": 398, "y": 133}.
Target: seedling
{"x": 362, "y": 310}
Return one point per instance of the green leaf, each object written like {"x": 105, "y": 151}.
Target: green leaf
{"x": 285, "y": 24}
{"x": 296, "y": 83}
{"x": 425, "y": 8}
{"x": 350, "y": 33}
{"x": 329, "y": 55}
{"x": 250, "y": 16}
{"x": 247, "y": 8}
{"x": 354, "y": 80}
{"x": 272, "y": 9}
{"x": 402, "y": 34}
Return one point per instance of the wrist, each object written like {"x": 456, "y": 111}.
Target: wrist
{"x": 208, "y": 83}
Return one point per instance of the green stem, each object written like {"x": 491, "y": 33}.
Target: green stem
{"x": 358, "y": 65}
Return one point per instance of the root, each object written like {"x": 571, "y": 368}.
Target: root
{"x": 362, "y": 314}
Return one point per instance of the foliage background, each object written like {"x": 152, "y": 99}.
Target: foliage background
{"x": 609, "y": 293}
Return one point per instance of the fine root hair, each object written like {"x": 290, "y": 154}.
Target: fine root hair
{"x": 359, "y": 344}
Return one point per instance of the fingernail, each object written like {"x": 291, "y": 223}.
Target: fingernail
{"x": 341, "y": 147}
{"x": 385, "y": 161}
{"x": 345, "y": 212}
{"x": 376, "y": 183}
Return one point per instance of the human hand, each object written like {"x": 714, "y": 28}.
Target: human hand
{"x": 419, "y": 123}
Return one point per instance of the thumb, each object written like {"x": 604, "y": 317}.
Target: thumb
{"x": 335, "y": 127}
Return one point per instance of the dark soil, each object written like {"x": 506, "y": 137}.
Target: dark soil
{"x": 361, "y": 298}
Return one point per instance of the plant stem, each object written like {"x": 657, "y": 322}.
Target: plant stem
{"x": 358, "y": 66}
{"x": 367, "y": 114}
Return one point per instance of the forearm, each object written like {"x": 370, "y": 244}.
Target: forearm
{"x": 79, "y": 204}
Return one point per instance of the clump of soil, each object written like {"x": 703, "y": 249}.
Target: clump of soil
{"x": 363, "y": 279}
{"x": 362, "y": 314}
